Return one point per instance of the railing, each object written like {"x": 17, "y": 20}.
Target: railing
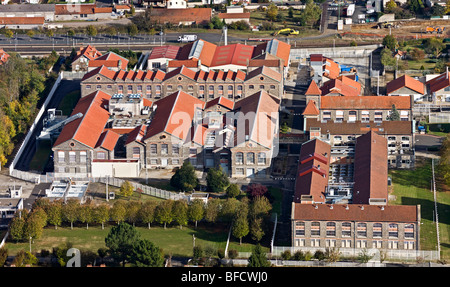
{"x": 50, "y": 177}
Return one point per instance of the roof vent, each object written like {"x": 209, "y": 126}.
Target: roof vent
{"x": 316, "y": 207}
{"x": 331, "y": 206}
{"x": 362, "y": 207}
{"x": 346, "y": 207}
{"x": 382, "y": 208}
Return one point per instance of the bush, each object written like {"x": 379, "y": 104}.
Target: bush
{"x": 221, "y": 253}
{"x": 286, "y": 255}
{"x": 232, "y": 254}
{"x": 319, "y": 255}
{"x": 299, "y": 255}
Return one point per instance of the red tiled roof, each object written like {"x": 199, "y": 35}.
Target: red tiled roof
{"x": 103, "y": 10}
{"x": 343, "y": 86}
{"x": 440, "y": 82}
{"x": 22, "y": 20}
{"x": 311, "y": 109}
{"x": 89, "y": 52}
{"x": 312, "y": 177}
{"x": 71, "y": 9}
{"x": 175, "y": 16}
{"x": 276, "y": 48}
{"x": 169, "y": 51}
{"x": 112, "y": 58}
{"x": 3, "y": 56}
{"x": 371, "y": 170}
{"x": 313, "y": 89}
{"x": 234, "y": 54}
{"x": 260, "y": 128}
{"x": 227, "y": 103}
{"x": 89, "y": 127}
{"x": 359, "y": 128}
{"x": 355, "y": 212}
{"x": 137, "y": 134}
{"x": 364, "y": 102}
{"x": 405, "y": 81}
{"x": 192, "y": 63}
{"x": 107, "y": 140}
{"x": 331, "y": 69}
{"x": 174, "y": 115}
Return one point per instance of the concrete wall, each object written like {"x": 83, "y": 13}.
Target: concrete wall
{"x": 116, "y": 169}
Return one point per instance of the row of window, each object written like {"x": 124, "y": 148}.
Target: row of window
{"x": 250, "y": 158}
{"x": 211, "y": 89}
{"x": 391, "y": 244}
{"x": 361, "y": 230}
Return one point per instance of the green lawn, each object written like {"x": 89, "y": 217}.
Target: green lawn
{"x": 178, "y": 242}
{"x": 69, "y": 101}
{"x": 412, "y": 187}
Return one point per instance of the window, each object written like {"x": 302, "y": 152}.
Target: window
{"x": 139, "y": 89}
{"x": 261, "y": 158}
{"x": 101, "y": 155}
{"x": 300, "y": 228}
{"x": 109, "y": 87}
{"x": 175, "y": 149}
{"x": 153, "y": 161}
{"x": 251, "y": 87}
{"x": 193, "y": 152}
{"x": 175, "y": 161}
{"x": 393, "y": 230}
{"x": 83, "y": 156}
{"x": 365, "y": 116}
{"x": 239, "y": 171}
{"x": 190, "y": 87}
{"x": 315, "y": 228}
{"x": 409, "y": 231}
{"x": 99, "y": 87}
{"x": 169, "y": 87}
{"x": 61, "y": 156}
{"x": 377, "y": 244}
{"x": 72, "y": 156}
{"x": 346, "y": 229}
{"x": 156, "y": 65}
{"x": 339, "y": 116}
{"x": 272, "y": 87}
{"x": 158, "y": 89}
{"x": 179, "y": 87}
{"x": 164, "y": 149}
{"x": 250, "y": 158}
{"x": 136, "y": 152}
{"x": 239, "y": 158}
{"x": 377, "y": 230}
{"x": 221, "y": 89}
{"x": 261, "y": 87}
{"x": 153, "y": 149}
{"x": 331, "y": 229}
{"x": 361, "y": 229}
{"x": 130, "y": 89}
{"x": 120, "y": 88}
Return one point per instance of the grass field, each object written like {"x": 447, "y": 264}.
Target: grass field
{"x": 173, "y": 240}
{"x": 412, "y": 187}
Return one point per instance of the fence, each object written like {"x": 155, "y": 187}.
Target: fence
{"x": 35, "y": 123}
{"x": 50, "y": 177}
{"x": 388, "y": 254}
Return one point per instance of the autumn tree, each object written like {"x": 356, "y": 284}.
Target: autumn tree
{"x": 163, "y": 212}
{"x": 179, "y": 211}
{"x": 70, "y": 211}
{"x": 196, "y": 211}
{"x": 272, "y": 12}
{"x": 101, "y": 214}
{"x": 147, "y": 212}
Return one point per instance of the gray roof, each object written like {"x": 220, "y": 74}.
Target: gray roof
{"x": 26, "y": 8}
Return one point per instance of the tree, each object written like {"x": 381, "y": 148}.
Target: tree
{"x": 434, "y": 46}
{"x": 229, "y": 209}
{"x": 196, "y": 211}
{"x": 212, "y": 210}
{"x": 55, "y": 213}
{"x": 120, "y": 241}
{"x": 386, "y": 58}
{"x": 417, "y": 54}
{"x": 311, "y": 14}
{"x": 146, "y": 254}
{"x": 16, "y": 227}
{"x": 179, "y": 211}
{"x": 132, "y": 29}
{"x": 390, "y": 42}
{"x": 272, "y": 12}
{"x": 233, "y": 190}
{"x": 132, "y": 213}
{"x": 256, "y": 228}
{"x": 394, "y": 115}
{"x": 258, "y": 258}
{"x": 9, "y": 34}
{"x": 70, "y": 211}
{"x": 118, "y": 212}
{"x": 415, "y": 6}
{"x": 91, "y": 30}
{"x": 256, "y": 189}
{"x": 126, "y": 189}
{"x": 185, "y": 178}
{"x": 291, "y": 12}
{"x": 86, "y": 214}
{"x": 163, "y": 212}
{"x": 437, "y": 10}
{"x": 260, "y": 207}
{"x": 34, "y": 224}
{"x": 216, "y": 180}
{"x": 391, "y": 5}
{"x": 101, "y": 214}
{"x": 25, "y": 258}
{"x": 240, "y": 226}
{"x": 30, "y": 33}
{"x": 3, "y": 256}
{"x": 147, "y": 212}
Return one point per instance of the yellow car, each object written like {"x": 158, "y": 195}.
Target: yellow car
{"x": 287, "y": 31}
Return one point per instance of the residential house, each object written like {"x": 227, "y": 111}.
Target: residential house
{"x": 183, "y": 16}
{"x": 110, "y": 60}
{"x": 68, "y": 12}
{"x": 229, "y": 18}
{"x": 439, "y": 88}
{"x": 81, "y": 60}
{"x": 406, "y": 86}
{"x": 3, "y": 56}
